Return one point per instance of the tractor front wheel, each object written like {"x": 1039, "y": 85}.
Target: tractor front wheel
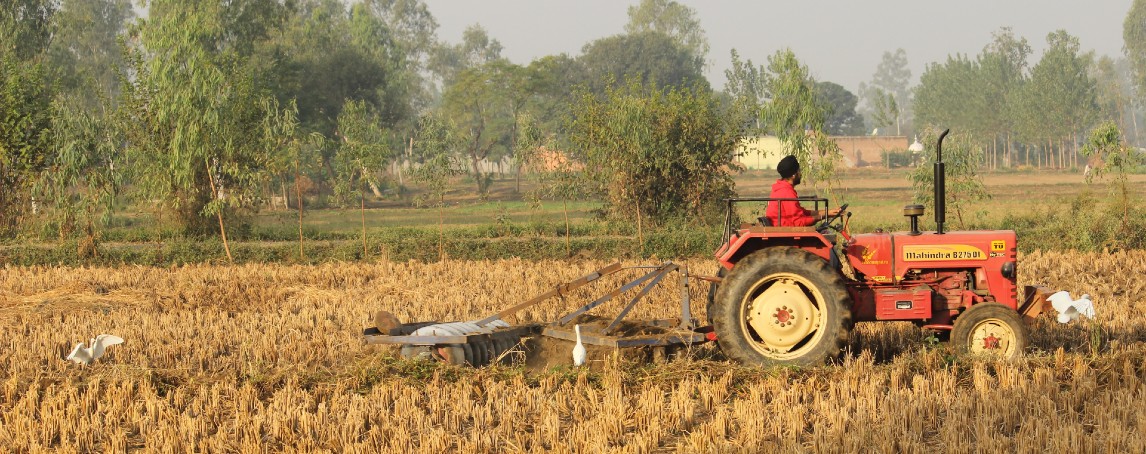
{"x": 782, "y": 305}
{"x": 990, "y": 329}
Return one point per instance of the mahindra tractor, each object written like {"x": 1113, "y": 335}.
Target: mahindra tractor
{"x": 791, "y": 294}
{"x": 783, "y": 295}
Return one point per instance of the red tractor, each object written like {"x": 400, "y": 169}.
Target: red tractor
{"x": 784, "y": 295}
{"x": 789, "y": 295}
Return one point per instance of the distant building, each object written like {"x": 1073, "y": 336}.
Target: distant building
{"x": 758, "y": 153}
{"x": 868, "y": 151}
{"x": 764, "y": 152}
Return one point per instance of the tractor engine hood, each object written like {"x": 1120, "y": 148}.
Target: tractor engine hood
{"x": 888, "y": 257}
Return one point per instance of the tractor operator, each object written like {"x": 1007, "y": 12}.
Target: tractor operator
{"x": 794, "y": 214}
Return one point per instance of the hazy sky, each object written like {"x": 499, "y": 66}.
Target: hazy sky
{"x": 840, "y": 40}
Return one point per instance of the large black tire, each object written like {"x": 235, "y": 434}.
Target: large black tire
{"x": 990, "y": 329}
{"x": 802, "y": 320}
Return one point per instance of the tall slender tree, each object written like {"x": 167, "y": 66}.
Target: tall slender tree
{"x": 362, "y": 153}
{"x": 888, "y": 86}
{"x": 796, "y": 116}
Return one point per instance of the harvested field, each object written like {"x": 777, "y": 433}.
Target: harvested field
{"x": 268, "y": 357}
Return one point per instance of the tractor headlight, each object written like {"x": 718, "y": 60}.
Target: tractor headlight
{"x": 1009, "y": 270}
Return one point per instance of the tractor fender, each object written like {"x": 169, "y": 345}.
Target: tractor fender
{"x": 756, "y": 238}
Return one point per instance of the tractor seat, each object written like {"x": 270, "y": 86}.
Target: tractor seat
{"x": 764, "y": 221}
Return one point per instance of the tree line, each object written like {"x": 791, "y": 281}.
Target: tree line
{"x": 204, "y": 108}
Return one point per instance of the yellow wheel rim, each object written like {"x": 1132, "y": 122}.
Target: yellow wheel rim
{"x": 782, "y": 314}
{"x": 993, "y": 337}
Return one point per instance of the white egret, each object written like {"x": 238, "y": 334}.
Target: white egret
{"x": 579, "y": 352}
{"x": 86, "y": 355}
{"x": 1070, "y": 309}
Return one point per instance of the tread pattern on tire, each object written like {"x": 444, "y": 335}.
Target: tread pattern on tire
{"x": 730, "y": 294}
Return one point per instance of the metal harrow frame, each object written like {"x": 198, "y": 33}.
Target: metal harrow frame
{"x": 492, "y": 339}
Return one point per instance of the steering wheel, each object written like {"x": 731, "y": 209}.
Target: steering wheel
{"x": 827, "y": 222}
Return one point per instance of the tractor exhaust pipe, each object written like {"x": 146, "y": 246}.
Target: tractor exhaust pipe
{"x": 940, "y": 185}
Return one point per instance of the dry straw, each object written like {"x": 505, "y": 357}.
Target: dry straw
{"x": 268, "y": 358}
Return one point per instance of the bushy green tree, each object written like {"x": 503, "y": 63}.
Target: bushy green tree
{"x": 85, "y": 52}
{"x": 840, "y": 109}
{"x": 673, "y": 19}
{"x": 26, "y": 113}
{"x": 656, "y": 154}
{"x": 650, "y": 56}
{"x": 194, "y": 107}
{"x": 80, "y": 182}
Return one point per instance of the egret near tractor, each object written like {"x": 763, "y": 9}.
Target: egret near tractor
{"x": 783, "y": 295}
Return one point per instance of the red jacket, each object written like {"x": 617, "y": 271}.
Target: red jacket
{"x": 794, "y": 214}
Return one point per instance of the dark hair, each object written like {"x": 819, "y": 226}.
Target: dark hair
{"x": 788, "y": 166}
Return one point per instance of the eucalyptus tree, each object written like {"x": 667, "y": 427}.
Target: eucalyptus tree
{"x": 746, "y": 84}
{"x": 195, "y": 106}
{"x": 1107, "y": 145}
{"x": 947, "y": 95}
{"x": 80, "y": 182}
{"x": 1058, "y": 102}
{"x": 26, "y": 113}
{"x": 797, "y": 117}
{"x": 1002, "y": 73}
{"x": 476, "y": 49}
{"x": 401, "y": 33}
{"x": 434, "y": 148}
{"x": 1113, "y": 92}
{"x": 888, "y": 88}
{"x": 362, "y": 153}
{"x": 963, "y": 158}
{"x": 26, "y": 27}
{"x": 1134, "y": 44}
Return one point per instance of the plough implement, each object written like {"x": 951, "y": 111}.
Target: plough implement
{"x": 494, "y": 340}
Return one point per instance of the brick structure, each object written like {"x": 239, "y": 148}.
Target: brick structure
{"x": 857, "y": 151}
{"x": 867, "y": 151}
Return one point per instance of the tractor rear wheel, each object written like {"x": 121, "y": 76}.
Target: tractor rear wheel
{"x": 782, "y": 305}
{"x": 990, "y": 329}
